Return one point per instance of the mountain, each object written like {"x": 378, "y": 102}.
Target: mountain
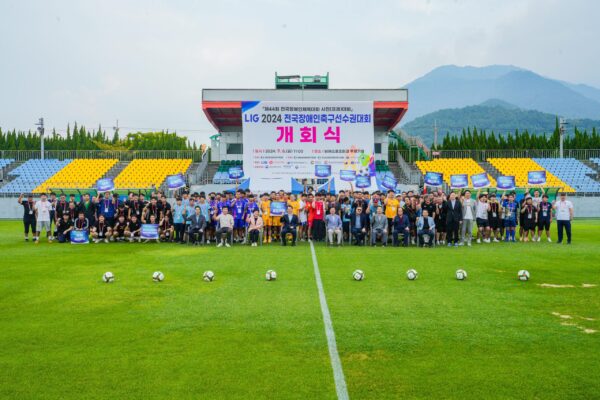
{"x": 497, "y": 115}
{"x": 452, "y": 86}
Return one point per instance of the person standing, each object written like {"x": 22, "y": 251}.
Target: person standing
{"x": 42, "y": 217}
{"x": 453, "y": 218}
{"x": 544, "y": 218}
{"x": 28, "y": 215}
{"x": 468, "y": 216}
{"x": 564, "y": 216}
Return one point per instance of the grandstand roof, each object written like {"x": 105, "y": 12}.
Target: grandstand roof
{"x": 223, "y": 107}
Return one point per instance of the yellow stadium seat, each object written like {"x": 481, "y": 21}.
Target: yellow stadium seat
{"x": 453, "y": 166}
{"x": 79, "y": 173}
{"x": 143, "y": 173}
{"x": 519, "y": 167}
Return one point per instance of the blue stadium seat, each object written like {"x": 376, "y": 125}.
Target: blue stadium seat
{"x": 31, "y": 174}
{"x": 573, "y": 172}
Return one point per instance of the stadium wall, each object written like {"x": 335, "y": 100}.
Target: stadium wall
{"x": 585, "y": 207}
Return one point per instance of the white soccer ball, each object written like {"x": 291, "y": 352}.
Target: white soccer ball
{"x": 412, "y": 274}
{"x": 208, "y": 276}
{"x": 523, "y": 275}
{"x": 358, "y": 275}
{"x": 108, "y": 277}
{"x": 271, "y": 275}
{"x": 461, "y": 274}
{"x": 158, "y": 276}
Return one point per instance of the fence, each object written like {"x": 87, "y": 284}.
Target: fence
{"x": 121, "y": 155}
{"x": 482, "y": 155}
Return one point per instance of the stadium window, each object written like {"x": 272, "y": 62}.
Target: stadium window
{"x": 377, "y": 148}
{"x": 235, "y": 148}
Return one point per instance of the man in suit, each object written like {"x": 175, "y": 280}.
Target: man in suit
{"x": 289, "y": 223}
{"x": 401, "y": 227}
{"x": 453, "y": 218}
{"x": 379, "y": 226}
{"x": 196, "y": 226}
{"x": 425, "y": 227}
{"x": 358, "y": 225}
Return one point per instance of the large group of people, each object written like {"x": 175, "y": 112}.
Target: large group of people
{"x": 399, "y": 219}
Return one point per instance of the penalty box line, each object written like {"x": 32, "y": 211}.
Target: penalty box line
{"x": 336, "y": 364}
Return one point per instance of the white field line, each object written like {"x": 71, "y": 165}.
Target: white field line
{"x": 336, "y": 364}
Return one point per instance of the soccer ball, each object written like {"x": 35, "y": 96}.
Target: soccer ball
{"x": 461, "y": 274}
{"x": 108, "y": 277}
{"x": 271, "y": 275}
{"x": 523, "y": 275}
{"x": 363, "y": 171}
{"x": 412, "y": 274}
{"x": 358, "y": 275}
{"x": 208, "y": 276}
{"x": 158, "y": 276}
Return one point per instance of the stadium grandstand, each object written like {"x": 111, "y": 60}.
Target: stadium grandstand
{"x": 81, "y": 173}
{"x": 146, "y": 173}
{"x": 453, "y": 166}
{"x": 519, "y": 167}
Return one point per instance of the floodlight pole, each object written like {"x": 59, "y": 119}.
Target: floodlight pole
{"x": 40, "y": 129}
{"x": 435, "y": 133}
{"x": 563, "y": 122}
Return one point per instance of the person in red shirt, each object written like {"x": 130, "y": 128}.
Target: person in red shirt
{"x": 310, "y": 211}
{"x": 319, "y": 218}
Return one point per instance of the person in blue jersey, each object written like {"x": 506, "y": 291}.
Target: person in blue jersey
{"x": 511, "y": 209}
{"x": 189, "y": 210}
{"x": 107, "y": 208}
{"x": 238, "y": 205}
{"x": 179, "y": 219}
{"x": 205, "y": 210}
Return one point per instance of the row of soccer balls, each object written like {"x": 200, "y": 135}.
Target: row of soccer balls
{"x": 208, "y": 276}
{"x": 460, "y": 274}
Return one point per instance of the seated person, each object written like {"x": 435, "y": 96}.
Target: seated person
{"x": 165, "y": 229}
{"x": 197, "y": 225}
{"x": 289, "y": 225}
{"x": 425, "y": 228}
{"x": 225, "y": 221}
{"x": 64, "y": 226}
{"x": 255, "y": 225}
{"x": 81, "y": 223}
{"x": 358, "y": 226}
{"x": 102, "y": 231}
{"x": 333, "y": 223}
{"x": 401, "y": 226}
{"x": 118, "y": 231}
{"x": 132, "y": 232}
{"x": 379, "y": 227}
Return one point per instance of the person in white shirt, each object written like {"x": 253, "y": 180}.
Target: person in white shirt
{"x": 225, "y": 221}
{"x": 468, "y": 216}
{"x": 42, "y": 213}
{"x": 564, "y": 216}
{"x": 481, "y": 216}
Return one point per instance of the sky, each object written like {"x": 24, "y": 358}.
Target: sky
{"x": 145, "y": 63}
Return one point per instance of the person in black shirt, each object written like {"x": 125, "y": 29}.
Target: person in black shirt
{"x": 102, "y": 230}
{"x": 165, "y": 229}
{"x": 28, "y": 215}
{"x": 440, "y": 220}
{"x": 88, "y": 208}
{"x": 62, "y": 207}
{"x": 133, "y": 229}
{"x": 118, "y": 231}
{"x": 150, "y": 210}
{"x": 64, "y": 226}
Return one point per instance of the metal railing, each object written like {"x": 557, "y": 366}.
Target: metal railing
{"x": 413, "y": 177}
{"x": 121, "y": 155}
{"x": 482, "y": 155}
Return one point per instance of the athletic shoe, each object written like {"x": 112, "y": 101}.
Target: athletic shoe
{"x": 469, "y": 244}
{"x": 105, "y": 240}
{"x": 479, "y": 241}
{"x": 96, "y": 240}
{"x": 549, "y": 240}
{"x": 495, "y": 240}
{"x": 227, "y": 244}
{"x": 220, "y": 244}
{"x": 455, "y": 244}
{"x": 449, "y": 244}
{"x": 460, "y": 244}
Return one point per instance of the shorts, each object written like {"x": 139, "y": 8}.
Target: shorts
{"x": 510, "y": 223}
{"x": 45, "y": 225}
{"x": 276, "y": 221}
{"x": 529, "y": 224}
{"x": 440, "y": 227}
{"x": 266, "y": 221}
{"x": 495, "y": 223}
{"x": 482, "y": 223}
{"x": 544, "y": 224}
{"x": 239, "y": 223}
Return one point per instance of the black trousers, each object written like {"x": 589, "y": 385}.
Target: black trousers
{"x": 29, "y": 223}
{"x": 567, "y": 226}
{"x": 179, "y": 231}
{"x": 452, "y": 228}
{"x": 195, "y": 235}
{"x": 254, "y": 235}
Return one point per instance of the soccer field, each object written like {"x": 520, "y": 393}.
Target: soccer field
{"x": 67, "y": 335}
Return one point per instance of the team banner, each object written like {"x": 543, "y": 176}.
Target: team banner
{"x": 323, "y": 171}
{"x": 505, "y": 183}
{"x": 175, "y": 182}
{"x": 105, "y": 185}
{"x": 287, "y": 139}
{"x": 536, "y": 177}
{"x": 434, "y": 178}
{"x": 236, "y": 173}
{"x": 79, "y": 237}
{"x": 348, "y": 175}
{"x": 480, "y": 180}
{"x": 389, "y": 182}
{"x": 362, "y": 181}
{"x": 149, "y": 231}
{"x": 459, "y": 181}
{"x": 278, "y": 208}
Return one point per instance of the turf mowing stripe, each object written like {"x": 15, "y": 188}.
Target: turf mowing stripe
{"x": 336, "y": 364}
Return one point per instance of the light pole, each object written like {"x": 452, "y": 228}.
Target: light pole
{"x": 40, "y": 129}
{"x": 561, "y": 130}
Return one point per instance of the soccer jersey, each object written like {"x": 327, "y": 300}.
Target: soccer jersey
{"x": 250, "y": 208}
{"x": 238, "y": 205}
{"x": 510, "y": 210}
{"x": 544, "y": 211}
{"x": 391, "y": 208}
{"x": 295, "y": 206}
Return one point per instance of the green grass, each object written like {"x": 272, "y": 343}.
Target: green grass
{"x": 65, "y": 334}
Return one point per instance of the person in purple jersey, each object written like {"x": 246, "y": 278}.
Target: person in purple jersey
{"x": 238, "y": 206}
